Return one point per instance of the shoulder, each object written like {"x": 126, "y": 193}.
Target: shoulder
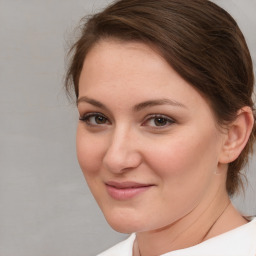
{"x": 123, "y": 248}
{"x": 237, "y": 242}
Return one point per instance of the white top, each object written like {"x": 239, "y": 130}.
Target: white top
{"x": 237, "y": 242}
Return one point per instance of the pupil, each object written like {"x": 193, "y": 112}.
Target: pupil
{"x": 100, "y": 119}
{"x": 160, "y": 121}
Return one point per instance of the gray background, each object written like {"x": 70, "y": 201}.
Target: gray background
{"x": 45, "y": 206}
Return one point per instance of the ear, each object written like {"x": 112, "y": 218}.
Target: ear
{"x": 237, "y": 135}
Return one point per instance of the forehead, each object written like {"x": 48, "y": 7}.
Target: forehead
{"x": 118, "y": 52}
{"x": 133, "y": 71}
{"x": 114, "y": 59}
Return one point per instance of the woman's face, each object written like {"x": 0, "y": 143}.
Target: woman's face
{"x": 147, "y": 141}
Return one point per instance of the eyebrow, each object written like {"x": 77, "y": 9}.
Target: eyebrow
{"x": 158, "y": 102}
{"x": 137, "y": 107}
{"x": 91, "y": 101}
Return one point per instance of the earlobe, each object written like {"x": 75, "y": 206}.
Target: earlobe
{"x": 237, "y": 135}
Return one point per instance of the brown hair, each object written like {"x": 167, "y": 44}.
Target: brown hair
{"x": 200, "y": 40}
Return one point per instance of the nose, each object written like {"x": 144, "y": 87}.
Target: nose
{"x": 122, "y": 153}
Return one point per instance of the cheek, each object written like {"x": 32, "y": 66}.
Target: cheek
{"x": 89, "y": 152}
{"x": 184, "y": 167}
{"x": 179, "y": 158}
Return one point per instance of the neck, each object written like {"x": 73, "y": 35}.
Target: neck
{"x": 200, "y": 224}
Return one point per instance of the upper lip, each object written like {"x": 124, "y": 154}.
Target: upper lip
{"x": 127, "y": 184}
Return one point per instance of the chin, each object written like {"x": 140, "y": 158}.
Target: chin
{"x": 121, "y": 228}
{"x": 124, "y": 222}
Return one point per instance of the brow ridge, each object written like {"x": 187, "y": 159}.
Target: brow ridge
{"x": 137, "y": 107}
{"x": 157, "y": 102}
{"x": 91, "y": 101}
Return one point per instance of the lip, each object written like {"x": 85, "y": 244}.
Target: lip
{"x": 126, "y": 190}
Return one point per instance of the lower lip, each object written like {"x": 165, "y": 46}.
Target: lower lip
{"x": 125, "y": 193}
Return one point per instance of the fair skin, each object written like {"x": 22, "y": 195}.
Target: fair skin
{"x": 150, "y": 149}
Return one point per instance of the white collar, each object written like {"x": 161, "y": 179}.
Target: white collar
{"x": 240, "y": 241}
{"x": 237, "y": 242}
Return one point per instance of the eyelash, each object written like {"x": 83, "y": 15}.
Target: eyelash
{"x": 167, "y": 120}
{"x": 85, "y": 118}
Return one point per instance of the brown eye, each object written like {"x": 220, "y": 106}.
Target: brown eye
{"x": 94, "y": 119}
{"x": 100, "y": 119}
{"x": 160, "y": 121}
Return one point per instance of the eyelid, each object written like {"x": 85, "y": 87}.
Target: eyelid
{"x": 84, "y": 118}
{"x": 152, "y": 116}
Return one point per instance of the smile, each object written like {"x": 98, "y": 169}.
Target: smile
{"x": 126, "y": 190}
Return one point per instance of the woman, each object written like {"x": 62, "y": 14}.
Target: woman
{"x": 164, "y": 93}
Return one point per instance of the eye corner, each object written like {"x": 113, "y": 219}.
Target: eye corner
{"x": 94, "y": 119}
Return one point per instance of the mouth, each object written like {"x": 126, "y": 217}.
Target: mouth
{"x": 126, "y": 190}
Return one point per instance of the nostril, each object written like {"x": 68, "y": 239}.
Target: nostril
{"x": 121, "y": 161}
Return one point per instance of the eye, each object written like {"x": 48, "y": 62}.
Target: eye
{"x": 158, "y": 121}
{"x": 94, "y": 119}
